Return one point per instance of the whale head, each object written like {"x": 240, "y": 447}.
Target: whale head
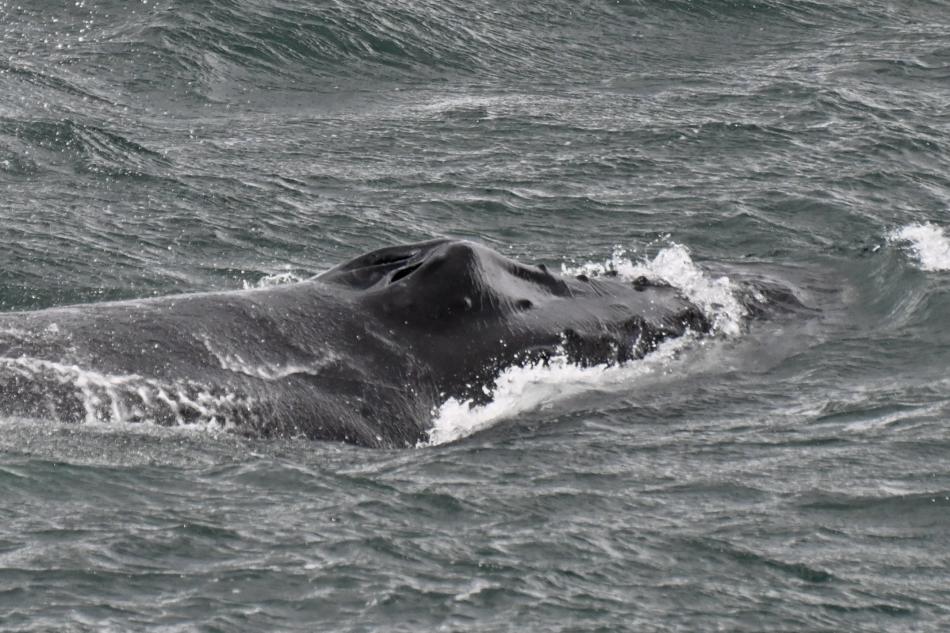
{"x": 468, "y": 311}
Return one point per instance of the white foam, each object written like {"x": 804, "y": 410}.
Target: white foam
{"x": 929, "y": 244}
{"x": 124, "y": 398}
{"x": 522, "y": 389}
{"x": 275, "y": 279}
{"x": 267, "y": 370}
{"x": 716, "y": 297}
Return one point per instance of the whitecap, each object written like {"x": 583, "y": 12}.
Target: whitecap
{"x": 928, "y": 242}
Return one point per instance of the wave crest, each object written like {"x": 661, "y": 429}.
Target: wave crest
{"x": 85, "y": 147}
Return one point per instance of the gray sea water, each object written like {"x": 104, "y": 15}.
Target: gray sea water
{"x": 788, "y": 475}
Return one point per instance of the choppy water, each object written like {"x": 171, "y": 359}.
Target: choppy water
{"x": 790, "y": 475}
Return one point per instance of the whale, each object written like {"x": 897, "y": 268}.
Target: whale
{"x": 363, "y": 353}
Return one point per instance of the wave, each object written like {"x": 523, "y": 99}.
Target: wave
{"x": 27, "y": 146}
{"x": 793, "y": 11}
{"x": 218, "y": 40}
{"x": 217, "y": 48}
{"x": 23, "y": 75}
{"x": 401, "y": 38}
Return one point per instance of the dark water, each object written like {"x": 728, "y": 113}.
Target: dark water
{"x": 790, "y": 475}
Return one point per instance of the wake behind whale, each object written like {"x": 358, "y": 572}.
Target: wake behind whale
{"x": 363, "y": 353}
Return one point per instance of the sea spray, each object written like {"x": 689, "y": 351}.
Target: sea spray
{"x": 929, "y": 244}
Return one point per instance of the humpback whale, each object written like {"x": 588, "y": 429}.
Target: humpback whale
{"x": 362, "y": 353}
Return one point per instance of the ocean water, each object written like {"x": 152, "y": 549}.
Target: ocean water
{"x": 783, "y": 475}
